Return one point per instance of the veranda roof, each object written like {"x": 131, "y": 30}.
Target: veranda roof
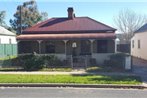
{"x": 66, "y": 36}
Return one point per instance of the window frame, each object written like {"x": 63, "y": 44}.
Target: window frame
{"x": 50, "y": 48}
{"x": 102, "y": 46}
{"x": 139, "y": 45}
{"x": 133, "y": 44}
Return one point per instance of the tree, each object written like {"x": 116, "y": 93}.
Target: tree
{"x": 28, "y": 17}
{"x": 128, "y": 21}
{"x": 2, "y": 17}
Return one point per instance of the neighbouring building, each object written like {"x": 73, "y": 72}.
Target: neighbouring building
{"x": 138, "y": 43}
{"x": 66, "y": 36}
{"x": 8, "y": 44}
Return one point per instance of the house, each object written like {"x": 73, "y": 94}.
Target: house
{"x": 138, "y": 43}
{"x": 63, "y": 37}
{"x": 8, "y": 44}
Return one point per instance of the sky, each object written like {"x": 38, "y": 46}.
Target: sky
{"x": 101, "y": 10}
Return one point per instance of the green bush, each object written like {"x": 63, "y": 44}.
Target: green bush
{"x": 33, "y": 62}
{"x": 29, "y": 62}
{"x": 36, "y": 62}
{"x": 116, "y": 61}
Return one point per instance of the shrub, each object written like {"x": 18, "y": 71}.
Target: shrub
{"x": 36, "y": 62}
{"x": 29, "y": 62}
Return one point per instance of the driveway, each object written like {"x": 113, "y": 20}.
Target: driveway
{"x": 140, "y": 68}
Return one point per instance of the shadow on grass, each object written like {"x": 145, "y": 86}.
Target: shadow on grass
{"x": 112, "y": 79}
{"x": 103, "y": 69}
{"x": 117, "y": 78}
{"x": 10, "y": 69}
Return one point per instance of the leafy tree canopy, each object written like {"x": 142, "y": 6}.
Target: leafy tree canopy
{"x": 2, "y": 17}
{"x": 29, "y": 16}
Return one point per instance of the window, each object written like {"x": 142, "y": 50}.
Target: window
{"x": 139, "y": 44}
{"x": 102, "y": 46}
{"x": 10, "y": 41}
{"x": 50, "y": 47}
{"x": 85, "y": 47}
{"x": 132, "y": 43}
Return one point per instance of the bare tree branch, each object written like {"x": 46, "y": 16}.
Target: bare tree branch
{"x": 128, "y": 21}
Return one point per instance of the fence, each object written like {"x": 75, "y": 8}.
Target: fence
{"x": 125, "y": 48}
{"x": 8, "y": 50}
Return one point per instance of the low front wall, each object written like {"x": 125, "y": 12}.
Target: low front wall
{"x": 101, "y": 57}
{"x": 61, "y": 56}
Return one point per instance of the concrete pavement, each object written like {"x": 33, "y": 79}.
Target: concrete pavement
{"x": 81, "y": 72}
{"x": 140, "y": 68}
{"x": 71, "y": 93}
{"x": 44, "y": 73}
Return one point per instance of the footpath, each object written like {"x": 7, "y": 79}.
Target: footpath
{"x": 140, "y": 68}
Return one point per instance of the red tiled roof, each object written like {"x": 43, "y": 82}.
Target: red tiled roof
{"x": 66, "y": 36}
{"x": 65, "y": 25}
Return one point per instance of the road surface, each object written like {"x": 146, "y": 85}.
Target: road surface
{"x": 35, "y": 92}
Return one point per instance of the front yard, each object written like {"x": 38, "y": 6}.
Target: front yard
{"x": 78, "y": 79}
{"x": 32, "y": 63}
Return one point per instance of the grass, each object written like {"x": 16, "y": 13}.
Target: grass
{"x": 84, "y": 79}
{"x": 8, "y": 57}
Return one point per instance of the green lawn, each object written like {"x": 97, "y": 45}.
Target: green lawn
{"x": 84, "y": 79}
{"x": 8, "y": 57}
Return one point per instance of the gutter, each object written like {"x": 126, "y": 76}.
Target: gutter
{"x": 72, "y": 85}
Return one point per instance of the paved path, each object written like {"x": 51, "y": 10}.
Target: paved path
{"x": 67, "y": 73}
{"x": 140, "y": 69}
{"x": 44, "y": 73}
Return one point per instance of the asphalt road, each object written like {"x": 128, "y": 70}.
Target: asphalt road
{"x": 71, "y": 93}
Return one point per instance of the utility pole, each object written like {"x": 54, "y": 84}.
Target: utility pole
{"x": 20, "y": 31}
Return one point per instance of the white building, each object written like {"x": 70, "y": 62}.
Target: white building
{"x": 139, "y": 43}
{"x": 8, "y": 44}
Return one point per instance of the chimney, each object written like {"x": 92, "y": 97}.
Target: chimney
{"x": 70, "y": 13}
